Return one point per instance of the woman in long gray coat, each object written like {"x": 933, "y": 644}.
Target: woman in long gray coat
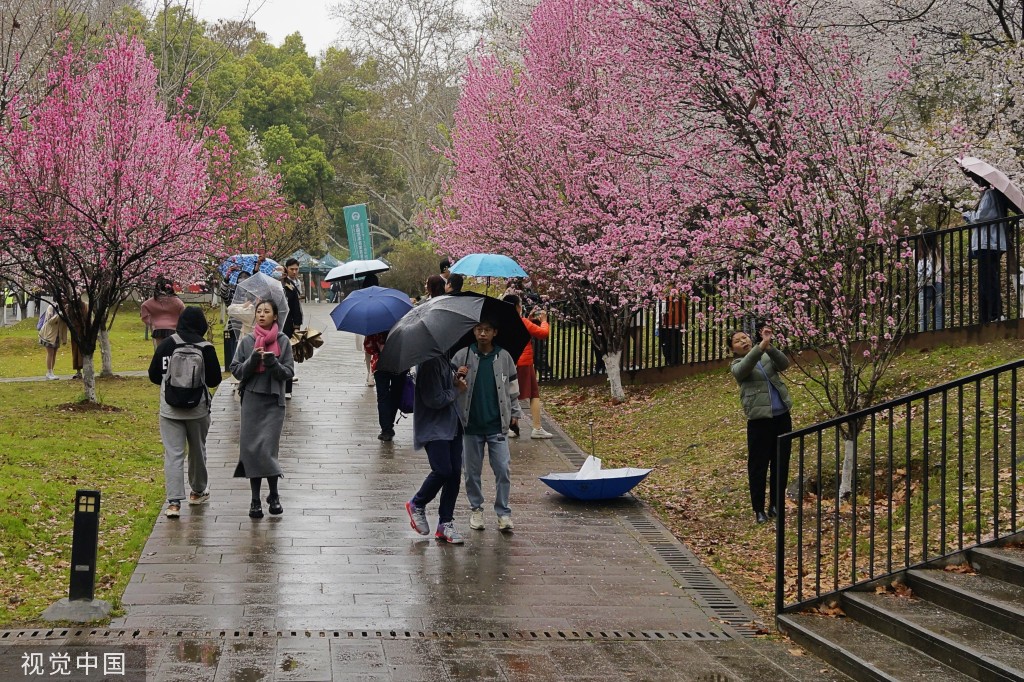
{"x": 766, "y": 404}
{"x": 262, "y": 365}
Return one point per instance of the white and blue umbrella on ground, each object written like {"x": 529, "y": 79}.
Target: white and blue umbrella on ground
{"x": 371, "y": 310}
{"x": 488, "y": 265}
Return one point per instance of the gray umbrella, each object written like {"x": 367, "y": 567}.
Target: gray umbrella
{"x": 445, "y": 324}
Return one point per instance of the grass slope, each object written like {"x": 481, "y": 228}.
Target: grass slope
{"x": 693, "y": 434}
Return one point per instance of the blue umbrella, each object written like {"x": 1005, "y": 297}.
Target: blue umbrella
{"x": 605, "y": 488}
{"x": 247, "y": 263}
{"x": 370, "y": 310}
{"x": 488, "y": 265}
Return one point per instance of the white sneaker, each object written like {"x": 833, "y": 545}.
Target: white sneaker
{"x": 476, "y": 519}
{"x": 287, "y": 396}
{"x": 50, "y": 376}
{"x": 541, "y": 433}
{"x": 370, "y": 381}
{"x": 505, "y": 524}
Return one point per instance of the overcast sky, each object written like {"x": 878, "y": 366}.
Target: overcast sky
{"x": 278, "y": 18}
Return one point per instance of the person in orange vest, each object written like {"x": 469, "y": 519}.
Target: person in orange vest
{"x": 537, "y": 324}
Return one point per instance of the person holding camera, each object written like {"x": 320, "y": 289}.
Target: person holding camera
{"x": 262, "y": 364}
{"x": 537, "y": 324}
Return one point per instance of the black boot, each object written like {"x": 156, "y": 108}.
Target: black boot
{"x": 255, "y": 510}
{"x": 759, "y": 517}
{"x": 772, "y": 512}
{"x": 275, "y": 505}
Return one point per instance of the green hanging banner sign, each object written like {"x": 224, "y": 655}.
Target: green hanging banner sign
{"x": 357, "y": 223}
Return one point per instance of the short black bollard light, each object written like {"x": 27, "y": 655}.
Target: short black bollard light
{"x": 80, "y": 606}
{"x": 85, "y": 539}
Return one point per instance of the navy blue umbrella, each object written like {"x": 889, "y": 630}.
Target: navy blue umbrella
{"x": 370, "y": 310}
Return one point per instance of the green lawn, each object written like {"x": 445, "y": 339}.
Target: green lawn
{"x": 693, "y": 434}
{"x": 49, "y": 447}
{"x": 22, "y": 356}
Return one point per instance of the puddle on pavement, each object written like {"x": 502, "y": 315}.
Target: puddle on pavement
{"x": 198, "y": 652}
{"x": 248, "y": 675}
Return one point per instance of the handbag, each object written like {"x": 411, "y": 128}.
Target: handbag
{"x": 408, "y": 399}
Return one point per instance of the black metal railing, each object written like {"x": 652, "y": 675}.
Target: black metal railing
{"x": 944, "y": 295}
{"x": 933, "y": 473}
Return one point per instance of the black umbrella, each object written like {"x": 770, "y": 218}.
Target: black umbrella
{"x": 445, "y": 324}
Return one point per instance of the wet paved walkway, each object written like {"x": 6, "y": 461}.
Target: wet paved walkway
{"x": 339, "y": 587}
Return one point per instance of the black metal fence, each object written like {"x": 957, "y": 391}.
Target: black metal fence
{"x": 943, "y": 287}
{"x": 933, "y": 473}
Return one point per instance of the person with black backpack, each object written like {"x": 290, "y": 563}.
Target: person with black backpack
{"x": 186, "y": 367}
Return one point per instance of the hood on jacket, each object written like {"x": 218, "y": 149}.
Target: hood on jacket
{"x": 192, "y": 321}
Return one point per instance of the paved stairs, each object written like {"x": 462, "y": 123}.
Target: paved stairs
{"x": 949, "y": 625}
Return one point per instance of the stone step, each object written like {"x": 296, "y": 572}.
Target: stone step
{"x": 1004, "y": 563}
{"x": 982, "y": 597}
{"x": 970, "y": 646}
{"x": 863, "y": 653}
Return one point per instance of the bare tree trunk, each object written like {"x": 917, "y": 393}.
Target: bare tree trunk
{"x": 846, "y": 484}
{"x": 108, "y": 364}
{"x": 612, "y": 367}
{"x": 89, "y": 379}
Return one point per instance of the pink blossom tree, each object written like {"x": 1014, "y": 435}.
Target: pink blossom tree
{"x": 803, "y": 182}
{"x": 102, "y": 189}
{"x": 547, "y": 170}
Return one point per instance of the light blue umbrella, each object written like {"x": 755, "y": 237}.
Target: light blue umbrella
{"x": 370, "y": 310}
{"x": 488, "y": 265}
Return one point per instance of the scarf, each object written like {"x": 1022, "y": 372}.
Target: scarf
{"x": 266, "y": 340}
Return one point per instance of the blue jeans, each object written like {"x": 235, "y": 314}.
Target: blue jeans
{"x": 929, "y": 307}
{"x": 497, "y": 451}
{"x": 445, "y": 457}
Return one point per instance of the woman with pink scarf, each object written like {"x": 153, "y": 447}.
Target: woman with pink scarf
{"x": 262, "y": 365}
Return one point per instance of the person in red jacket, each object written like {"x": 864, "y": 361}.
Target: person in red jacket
{"x": 537, "y": 324}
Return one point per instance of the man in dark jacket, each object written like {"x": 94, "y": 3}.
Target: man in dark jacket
{"x": 290, "y": 282}
{"x": 183, "y": 430}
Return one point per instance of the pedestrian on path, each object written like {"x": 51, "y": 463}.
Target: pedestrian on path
{"x": 293, "y": 294}
{"x": 183, "y": 430}
{"x": 52, "y": 333}
{"x": 436, "y": 427}
{"x": 262, "y": 364}
{"x": 371, "y": 281}
{"x": 537, "y": 324}
{"x": 160, "y": 312}
{"x": 488, "y": 408}
{"x": 766, "y": 403}
{"x": 389, "y": 387}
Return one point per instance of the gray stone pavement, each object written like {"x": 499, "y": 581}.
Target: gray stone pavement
{"x": 339, "y": 587}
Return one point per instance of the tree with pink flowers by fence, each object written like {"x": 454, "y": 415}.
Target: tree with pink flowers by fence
{"x": 718, "y": 143}
{"x": 102, "y": 189}
{"x": 801, "y": 229}
{"x": 547, "y": 170}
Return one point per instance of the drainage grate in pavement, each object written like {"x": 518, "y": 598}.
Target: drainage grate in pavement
{"x": 13, "y": 637}
{"x": 707, "y": 590}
